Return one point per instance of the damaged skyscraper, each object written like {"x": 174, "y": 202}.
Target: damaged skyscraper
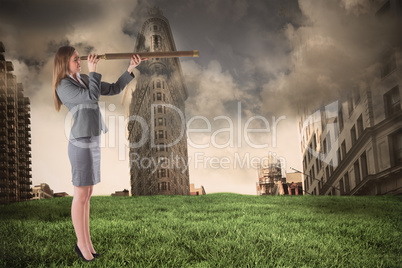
{"x": 157, "y": 125}
{"x": 15, "y": 136}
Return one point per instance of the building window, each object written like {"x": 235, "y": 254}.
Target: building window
{"x": 360, "y": 126}
{"x": 338, "y": 157}
{"x": 341, "y": 186}
{"x": 350, "y": 105}
{"x": 363, "y": 161}
{"x": 159, "y": 108}
{"x": 357, "y": 172}
{"x": 160, "y": 134}
{"x": 324, "y": 147}
{"x": 346, "y": 180}
{"x": 160, "y": 121}
{"x": 343, "y": 148}
{"x": 340, "y": 120}
{"x": 156, "y": 42}
{"x": 158, "y": 96}
{"x": 396, "y": 148}
{"x": 353, "y": 135}
{"x": 313, "y": 172}
{"x": 392, "y": 101}
{"x": 356, "y": 95}
{"x": 317, "y": 165}
{"x": 158, "y": 84}
{"x": 163, "y": 186}
{"x": 155, "y": 27}
{"x": 327, "y": 172}
{"x": 163, "y": 172}
{"x": 329, "y": 141}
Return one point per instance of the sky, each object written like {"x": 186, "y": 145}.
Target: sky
{"x": 261, "y": 64}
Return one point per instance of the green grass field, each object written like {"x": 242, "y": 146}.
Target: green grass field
{"x": 215, "y": 230}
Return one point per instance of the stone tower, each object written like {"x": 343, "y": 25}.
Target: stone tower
{"x": 157, "y": 125}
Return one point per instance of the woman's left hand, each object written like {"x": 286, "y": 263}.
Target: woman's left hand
{"x": 135, "y": 61}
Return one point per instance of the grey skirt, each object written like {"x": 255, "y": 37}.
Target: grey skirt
{"x": 85, "y": 156}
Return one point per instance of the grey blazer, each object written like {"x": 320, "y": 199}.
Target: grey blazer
{"x": 83, "y": 102}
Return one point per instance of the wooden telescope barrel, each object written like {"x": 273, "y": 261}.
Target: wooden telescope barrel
{"x": 159, "y": 54}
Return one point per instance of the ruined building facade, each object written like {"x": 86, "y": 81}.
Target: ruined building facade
{"x": 354, "y": 146}
{"x": 269, "y": 178}
{"x": 157, "y": 125}
{"x": 15, "y": 137}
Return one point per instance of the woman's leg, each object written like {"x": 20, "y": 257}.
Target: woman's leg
{"x": 78, "y": 208}
{"x": 87, "y": 233}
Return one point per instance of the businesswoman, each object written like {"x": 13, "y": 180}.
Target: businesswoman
{"x": 80, "y": 94}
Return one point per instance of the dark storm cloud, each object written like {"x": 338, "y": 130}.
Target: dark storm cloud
{"x": 336, "y": 51}
{"x": 47, "y": 13}
{"x": 32, "y": 31}
{"x": 245, "y": 38}
{"x": 231, "y": 31}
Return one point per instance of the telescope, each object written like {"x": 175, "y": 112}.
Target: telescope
{"x": 143, "y": 55}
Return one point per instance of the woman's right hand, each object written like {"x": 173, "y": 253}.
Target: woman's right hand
{"x": 92, "y": 62}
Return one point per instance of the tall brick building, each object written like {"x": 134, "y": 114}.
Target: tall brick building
{"x": 157, "y": 129}
{"x": 15, "y": 137}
